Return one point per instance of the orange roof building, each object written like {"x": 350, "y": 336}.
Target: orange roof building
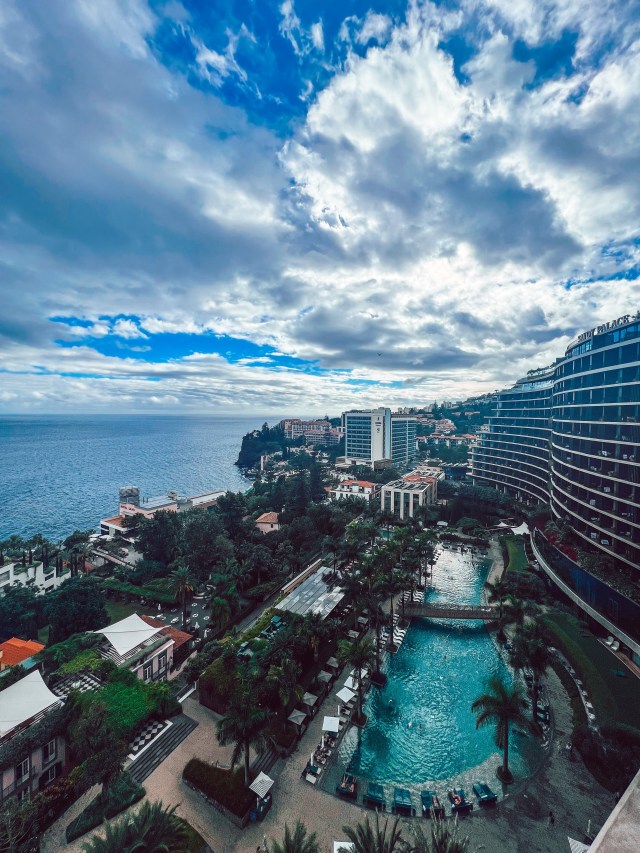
{"x": 15, "y": 651}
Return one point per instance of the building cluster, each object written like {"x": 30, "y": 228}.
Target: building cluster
{"x": 141, "y": 644}
{"x": 401, "y": 497}
{"x": 568, "y": 436}
{"x": 313, "y": 431}
{"x": 132, "y": 506}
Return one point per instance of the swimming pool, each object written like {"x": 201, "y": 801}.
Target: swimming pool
{"x": 421, "y": 728}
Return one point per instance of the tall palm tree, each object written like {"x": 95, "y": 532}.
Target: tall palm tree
{"x": 369, "y": 839}
{"x": 296, "y": 842}
{"x": 151, "y": 829}
{"x": 441, "y": 837}
{"x": 502, "y": 706}
{"x": 498, "y": 592}
{"x": 220, "y": 611}
{"x": 531, "y": 649}
{"x": 361, "y": 655}
{"x": 373, "y": 602}
{"x": 183, "y": 587}
{"x": 244, "y": 727}
{"x": 285, "y": 680}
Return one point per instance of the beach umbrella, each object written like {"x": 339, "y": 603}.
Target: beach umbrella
{"x": 345, "y": 695}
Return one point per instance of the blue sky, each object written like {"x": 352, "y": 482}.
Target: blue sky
{"x": 213, "y": 206}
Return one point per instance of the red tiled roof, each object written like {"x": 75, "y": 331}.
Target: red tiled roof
{"x": 118, "y": 520}
{"x": 15, "y": 650}
{"x": 363, "y": 483}
{"x": 179, "y": 637}
{"x": 267, "y": 518}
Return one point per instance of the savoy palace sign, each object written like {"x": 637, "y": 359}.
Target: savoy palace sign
{"x": 606, "y": 327}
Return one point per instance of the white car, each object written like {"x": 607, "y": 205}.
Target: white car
{"x": 175, "y": 621}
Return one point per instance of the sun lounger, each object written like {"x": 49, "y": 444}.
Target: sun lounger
{"x": 402, "y": 803}
{"x": 459, "y": 803}
{"x": 374, "y": 798}
{"x": 484, "y": 794}
{"x": 431, "y": 804}
{"x": 615, "y": 645}
{"x": 609, "y": 640}
{"x": 348, "y": 786}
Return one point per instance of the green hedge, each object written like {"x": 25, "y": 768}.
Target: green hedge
{"x": 565, "y": 631}
{"x": 224, "y": 786}
{"x": 157, "y": 594}
{"x": 123, "y": 793}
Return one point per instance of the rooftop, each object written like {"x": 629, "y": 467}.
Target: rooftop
{"x": 15, "y": 651}
{"x": 128, "y": 634}
{"x": 23, "y": 701}
{"x": 314, "y": 595}
{"x": 267, "y": 518}
{"x": 179, "y": 637}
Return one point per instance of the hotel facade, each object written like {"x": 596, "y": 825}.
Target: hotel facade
{"x": 374, "y": 437}
{"x": 568, "y": 436}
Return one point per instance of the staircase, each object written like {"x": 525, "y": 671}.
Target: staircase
{"x": 264, "y": 762}
{"x": 156, "y": 752}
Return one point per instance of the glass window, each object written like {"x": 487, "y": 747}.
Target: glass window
{"x": 22, "y": 770}
{"x": 49, "y": 752}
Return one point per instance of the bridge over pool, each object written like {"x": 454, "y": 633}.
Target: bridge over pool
{"x": 486, "y": 612}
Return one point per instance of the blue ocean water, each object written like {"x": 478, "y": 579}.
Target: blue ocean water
{"x": 59, "y": 473}
{"x": 421, "y": 730}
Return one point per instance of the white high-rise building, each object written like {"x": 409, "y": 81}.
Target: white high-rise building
{"x": 375, "y": 436}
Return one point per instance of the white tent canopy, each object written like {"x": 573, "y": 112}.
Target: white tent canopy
{"x": 309, "y": 699}
{"x": 298, "y": 717}
{"x": 345, "y": 695}
{"x": 24, "y": 700}
{"x": 261, "y": 785}
{"x": 324, "y": 676}
{"x": 129, "y": 633}
{"x": 339, "y": 846}
{"x": 351, "y": 683}
{"x": 331, "y": 724}
{"x": 577, "y": 846}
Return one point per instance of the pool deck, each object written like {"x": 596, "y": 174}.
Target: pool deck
{"x": 519, "y": 823}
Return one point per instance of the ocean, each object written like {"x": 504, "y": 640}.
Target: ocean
{"x": 60, "y": 473}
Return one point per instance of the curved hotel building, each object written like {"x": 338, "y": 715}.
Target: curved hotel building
{"x": 569, "y": 436}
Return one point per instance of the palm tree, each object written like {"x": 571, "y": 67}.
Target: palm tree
{"x": 220, "y": 611}
{"x": 374, "y": 607}
{"x": 296, "y": 842}
{"x": 502, "y": 706}
{"x": 441, "y": 837}
{"x": 497, "y": 591}
{"x": 183, "y": 587}
{"x": 531, "y": 649}
{"x": 244, "y": 727}
{"x": 361, "y": 655}
{"x": 152, "y": 829}
{"x": 368, "y": 839}
{"x": 284, "y": 679}
{"x": 393, "y": 586}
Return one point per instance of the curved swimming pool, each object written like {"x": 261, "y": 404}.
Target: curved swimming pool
{"x": 421, "y": 729}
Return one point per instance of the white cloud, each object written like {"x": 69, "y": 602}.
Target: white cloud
{"x": 317, "y": 35}
{"x": 413, "y": 228}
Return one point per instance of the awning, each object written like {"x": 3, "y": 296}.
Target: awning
{"x": 324, "y": 676}
{"x": 331, "y": 724}
{"x": 333, "y": 663}
{"x": 340, "y": 846}
{"x": 577, "y": 846}
{"x": 345, "y": 695}
{"x": 309, "y": 699}
{"x": 297, "y": 717}
{"x": 363, "y": 673}
{"x": 261, "y": 785}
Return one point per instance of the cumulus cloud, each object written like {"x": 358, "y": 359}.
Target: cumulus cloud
{"x": 438, "y": 221}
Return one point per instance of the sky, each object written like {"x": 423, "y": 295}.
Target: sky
{"x": 297, "y": 207}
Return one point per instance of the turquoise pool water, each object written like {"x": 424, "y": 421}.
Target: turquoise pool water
{"x": 421, "y": 727}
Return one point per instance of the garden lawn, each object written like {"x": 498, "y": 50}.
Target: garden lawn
{"x": 517, "y": 556}
{"x": 615, "y": 699}
{"x": 118, "y": 610}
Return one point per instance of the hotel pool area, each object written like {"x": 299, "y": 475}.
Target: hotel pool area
{"x": 421, "y": 730}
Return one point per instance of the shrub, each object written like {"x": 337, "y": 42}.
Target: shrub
{"x": 122, "y": 794}
{"x": 224, "y": 786}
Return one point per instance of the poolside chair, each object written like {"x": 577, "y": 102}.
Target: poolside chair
{"x": 615, "y": 645}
